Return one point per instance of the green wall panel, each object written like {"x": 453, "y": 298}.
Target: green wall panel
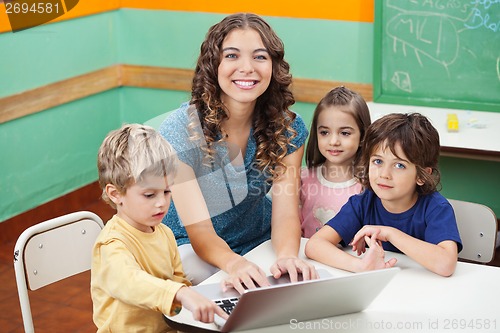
{"x": 49, "y": 53}
{"x": 471, "y": 180}
{"x": 50, "y": 153}
{"x": 169, "y": 39}
{"x": 306, "y": 111}
{"x": 327, "y": 50}
{"x": 139, "y": 105}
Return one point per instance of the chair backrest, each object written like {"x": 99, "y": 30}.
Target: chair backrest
{"x": 477, "y": 225}
{"x": 51, "y": 251}
{"x": 156, "y": 121}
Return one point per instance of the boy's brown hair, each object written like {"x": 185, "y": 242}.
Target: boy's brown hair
{"x": 418, "y": 139}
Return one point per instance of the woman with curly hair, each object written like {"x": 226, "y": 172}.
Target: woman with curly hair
{"x": 237, "y": 140}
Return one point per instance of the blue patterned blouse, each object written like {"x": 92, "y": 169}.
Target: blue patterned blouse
{"x": 235, "y": 195}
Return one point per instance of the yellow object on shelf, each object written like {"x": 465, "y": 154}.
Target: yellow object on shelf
{"x": 452, "y": 122}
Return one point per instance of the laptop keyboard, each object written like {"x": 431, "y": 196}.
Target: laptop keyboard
{"x": 227, "y": 304}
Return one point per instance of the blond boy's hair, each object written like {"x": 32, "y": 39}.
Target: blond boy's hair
{"x": 130, "y": 153}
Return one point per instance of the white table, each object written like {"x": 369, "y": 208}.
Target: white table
{"x": 478, "y": 136}
{"x": 416, "y": 300}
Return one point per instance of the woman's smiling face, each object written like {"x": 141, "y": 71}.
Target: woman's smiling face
{"x": 245, "y": 69}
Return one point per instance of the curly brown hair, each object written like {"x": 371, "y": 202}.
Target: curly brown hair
{"x": 271, "y": 118}
{"x": 418, "y": 139}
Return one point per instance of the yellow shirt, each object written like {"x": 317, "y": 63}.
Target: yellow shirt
{"x": 134, "y": 278}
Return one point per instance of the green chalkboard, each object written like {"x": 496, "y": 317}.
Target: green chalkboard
{"x": 441, "y": 53}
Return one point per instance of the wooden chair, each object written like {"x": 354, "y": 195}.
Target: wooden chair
{"x": 51, "y": 251}
{"x": 477, "y": 225}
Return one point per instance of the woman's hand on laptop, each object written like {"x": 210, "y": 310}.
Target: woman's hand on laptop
{"x": 244, "y": 274}
{"x": 293, "y": 266}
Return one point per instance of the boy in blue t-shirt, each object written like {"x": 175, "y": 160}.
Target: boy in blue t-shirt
{"x": 400, "y": 210}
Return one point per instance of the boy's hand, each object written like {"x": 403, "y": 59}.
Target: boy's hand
{"x": 375, "y": 256}
{"x": 201, "y": 307}
{"x": 358, "y": 242}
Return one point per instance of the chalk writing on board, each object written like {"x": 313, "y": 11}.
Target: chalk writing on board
{"x": 438, "y": 52}
{"x": 402, "y": 80}
{"x": 482, "y": 20}
{"x": 485, "y": 3}
{"x": 415, "y": 30}
{"x": 432, "y": 29}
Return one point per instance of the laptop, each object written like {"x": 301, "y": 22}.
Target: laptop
{"x": 283, "y": 301}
